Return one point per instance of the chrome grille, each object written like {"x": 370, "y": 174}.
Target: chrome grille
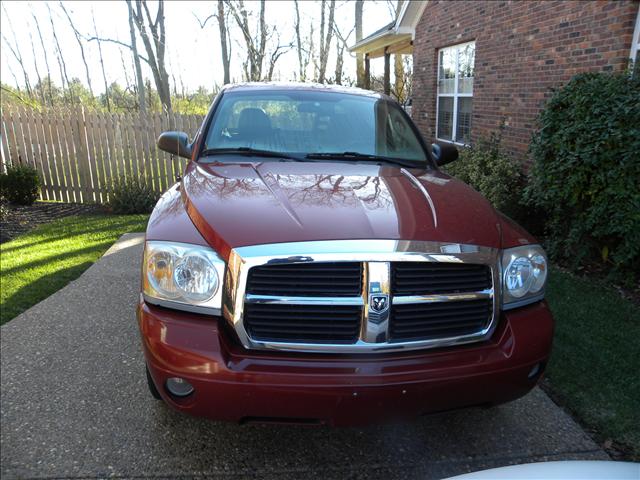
{"x": 361, "y": 296}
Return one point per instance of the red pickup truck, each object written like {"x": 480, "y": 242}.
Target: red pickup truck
{"x": 314, "y": 265}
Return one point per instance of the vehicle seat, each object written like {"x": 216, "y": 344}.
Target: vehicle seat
{"x": 254, "y": 125}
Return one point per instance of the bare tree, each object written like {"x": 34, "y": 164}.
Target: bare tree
{"x": 341, "y": 46}
{"x": 275, "y": 54}
{"x": 225, "y": 38}
{"x": 256, "y": 47}
{"x": 124, "y": 70}
{"x": 15, "y": 50}
{"x": 325, "y": 40}
{"x": 153, "y": 36}
{"x": 304, "y": 54}
{"x": 225, "y": 43}
{"x": 359, "y": 57}
{"x": 393, "y": 7}
{"x": 273, "y": 58}
{"x": 339, "y": 63}
{"x": 182, "y": 89}
{"x": 175, "y": 85}
{"x": 79, "y": 40}
{"x": 104, "y": 73}
{"x": 302, "y": 68}
{"x": 310, "y": 54}
{"x": 15, "y": 81}
{"x": 142, "y": 104}
{"x": 137, "y": 57}
{"x": 46, "y": 58}
{"x": 35, "y": 64}
{"x": 399, "y": 90}
{"x": 407, "y": 74}
{"x": 61, "y": 63}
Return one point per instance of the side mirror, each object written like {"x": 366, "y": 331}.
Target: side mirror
{"x": 176, "y": 143}
{"x": 444, "y": 153}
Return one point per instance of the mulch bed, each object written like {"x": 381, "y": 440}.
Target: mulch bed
{"x": 18, "y": 219}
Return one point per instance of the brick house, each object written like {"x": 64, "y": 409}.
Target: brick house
{"x": 480, "y": 64}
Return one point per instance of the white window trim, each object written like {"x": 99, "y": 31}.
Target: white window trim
{"x": 635, "y": 41}
{"x": 454, "y": 95}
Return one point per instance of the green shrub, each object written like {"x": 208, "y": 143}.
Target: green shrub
{"x": 20, "y": 184}
{"x": 489, "y": 170}
{"x": 132, "y": 195}
{"x": 586, "y": 171}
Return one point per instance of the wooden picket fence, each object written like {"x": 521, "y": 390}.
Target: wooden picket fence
{"x": 78, "y": 153}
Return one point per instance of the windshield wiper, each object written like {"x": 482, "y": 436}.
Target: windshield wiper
{"x": 363, "y": 156}
{"x": 249, "y": 152}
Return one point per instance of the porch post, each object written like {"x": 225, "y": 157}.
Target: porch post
{"x": 367, "y": 73}
{"x": 387, "y": 73}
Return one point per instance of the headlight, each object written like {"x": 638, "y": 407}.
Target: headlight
{"x": 524, "y": 275}
{"x": 183, "y": 276}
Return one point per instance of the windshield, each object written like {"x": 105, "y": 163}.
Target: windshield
{"x": 303, "y": 122}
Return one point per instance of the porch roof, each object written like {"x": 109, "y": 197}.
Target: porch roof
{"x": 396, "y": 37}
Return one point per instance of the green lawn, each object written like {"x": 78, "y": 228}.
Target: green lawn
{"x": 595, "y": 364}
{"x": 42, "y": 261}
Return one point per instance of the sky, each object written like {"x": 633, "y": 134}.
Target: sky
{"x": 193, "y": 53}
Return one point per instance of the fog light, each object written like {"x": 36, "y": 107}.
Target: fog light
{"x": 179, "y": 387}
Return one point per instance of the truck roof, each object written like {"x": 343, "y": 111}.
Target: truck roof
{"x": 316, "y": 87}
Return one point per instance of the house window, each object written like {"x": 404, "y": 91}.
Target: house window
{"x": 455, "y": 92}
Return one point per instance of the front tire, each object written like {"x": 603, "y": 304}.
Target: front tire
{"x": 152, "y": 386}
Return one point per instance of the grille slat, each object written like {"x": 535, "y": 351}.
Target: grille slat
{"x": 437, "y": 307}
{"x": 440, "y": 288}
{"x": 309, "y": 266}
{"x": 437, "y": 320}
{"x": 442, "y": 266}
{"x": 419, "y": 313}
{"x": 264, "y": 319}
{"x": 449, "y": 319}
{"x": 436, "y": 282}
{"x": 306, "y": 310}
{"x": 275, "y": 328}
{"x": 421, "y": 330}
{"x": 347, "y": 273}
{"x": 285, "y": 326}
{"x": 307, "y": 323}
{"x": 328, "y": 279}
{"x": 425, "y": 278}
{"x": 444, "y": 274}
{"x": 411, "y": 268}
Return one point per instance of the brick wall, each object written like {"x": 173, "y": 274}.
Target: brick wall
{"x": 523, "y": 49}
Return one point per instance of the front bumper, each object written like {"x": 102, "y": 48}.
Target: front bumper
{"x": 235, "y": 384}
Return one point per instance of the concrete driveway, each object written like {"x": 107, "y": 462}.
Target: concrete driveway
{"x": 74, "y": 403}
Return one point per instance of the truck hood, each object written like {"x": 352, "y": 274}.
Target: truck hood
{"x": 239, "y": 204}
